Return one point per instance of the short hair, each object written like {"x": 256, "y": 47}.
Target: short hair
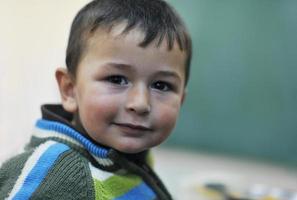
{"x": 155, "y": 18}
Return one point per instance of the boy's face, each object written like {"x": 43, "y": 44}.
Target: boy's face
{"x": 128, "y": 97}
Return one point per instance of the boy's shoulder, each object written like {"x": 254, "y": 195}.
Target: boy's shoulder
{"x": 50, "y": 169}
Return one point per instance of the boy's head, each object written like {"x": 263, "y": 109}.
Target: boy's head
{"x": 128, "y": 65}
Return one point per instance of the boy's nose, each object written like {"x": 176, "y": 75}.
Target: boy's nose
{"x": 138, "y": 100}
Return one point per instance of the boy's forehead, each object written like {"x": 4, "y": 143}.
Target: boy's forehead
{"x": 119, "y": 33}
{"x": 119, "y": 29}
{"x": 116, "y": 44}
{"x": 116, "y": 32}
{"x": 111, "y": 41}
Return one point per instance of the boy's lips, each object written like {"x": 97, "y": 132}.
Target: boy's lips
{"x": 133, "y": 127}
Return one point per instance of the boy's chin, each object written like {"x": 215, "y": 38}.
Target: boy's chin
{"x": 131, "y": 148}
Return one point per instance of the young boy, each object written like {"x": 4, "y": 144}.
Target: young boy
{"x": 127, "y": 68}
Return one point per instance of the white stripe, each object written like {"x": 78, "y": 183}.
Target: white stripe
{"x": 103, "y": 161}
{"x": 30, "y": 163}
{"x": 41, "y": 133}
{"x": 99, "y": 174}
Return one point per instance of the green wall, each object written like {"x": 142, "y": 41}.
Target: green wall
{"x": 242, "y": 95}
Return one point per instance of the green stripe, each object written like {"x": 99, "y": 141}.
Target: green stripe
{"x": 115, "y": 186}
{"x": 150, "y": 159}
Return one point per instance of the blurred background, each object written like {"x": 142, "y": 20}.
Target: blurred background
{"x": 239, "y": 121}
{"x": 243, "y": 89}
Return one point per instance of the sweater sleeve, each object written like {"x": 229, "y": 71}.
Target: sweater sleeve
{"x": 10, "y": 171}
{"x": 70, "y": 178}
{"x": 51, "y": 171}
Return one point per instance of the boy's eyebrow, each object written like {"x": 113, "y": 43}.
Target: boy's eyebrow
{"x": 169, "y": 74}
{"x": 159, "y": 73}
{"x": 118, "y": 65}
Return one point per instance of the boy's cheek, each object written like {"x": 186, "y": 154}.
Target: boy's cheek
{"x": 167, "y": 118}
{"x": 98, "y": 107}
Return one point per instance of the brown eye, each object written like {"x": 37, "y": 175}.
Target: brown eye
{"x": 117, "y": 79}
{"x": 162, "y": 86}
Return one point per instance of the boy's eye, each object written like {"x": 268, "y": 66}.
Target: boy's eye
{"x": 162, "y": 86}
{"x": 117, "y": 79}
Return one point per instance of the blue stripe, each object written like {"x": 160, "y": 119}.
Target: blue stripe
{"x": 66, "y": 130}
{"x": 40, "y": 170}
{"x": 142, "y": 192}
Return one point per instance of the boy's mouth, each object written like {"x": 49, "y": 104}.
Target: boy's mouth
{"x": 135, "y": 127}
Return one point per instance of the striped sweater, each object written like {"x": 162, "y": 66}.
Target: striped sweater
{"x": 60, "y": 163}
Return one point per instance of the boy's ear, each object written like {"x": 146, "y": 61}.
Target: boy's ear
{"x": 67, "y": 90}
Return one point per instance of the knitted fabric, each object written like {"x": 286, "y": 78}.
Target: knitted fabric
{"x": 59, "y": 165}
